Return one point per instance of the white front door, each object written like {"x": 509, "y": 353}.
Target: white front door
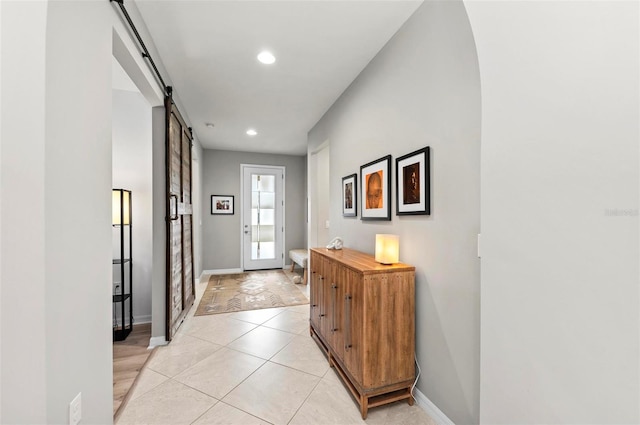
{"x": 262, "y": 217}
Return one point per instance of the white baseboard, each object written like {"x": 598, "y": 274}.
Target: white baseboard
{"x": 138, "y": 320}
{"x": 431, "y": 409}
{"x": 157, "y": 341}
{"x": 229, "y": 271}
{"x": 221, "y": 271}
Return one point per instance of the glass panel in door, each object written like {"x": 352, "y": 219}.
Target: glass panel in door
{"x": 263, "y": 238}
{"x": 262, "y": 217}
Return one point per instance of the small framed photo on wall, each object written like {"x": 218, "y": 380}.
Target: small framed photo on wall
{"x": 350, "y": 196}
{"x": 376, "y": 189}
{"x": 221, "y": 204}
{"x": 413, "y": 183}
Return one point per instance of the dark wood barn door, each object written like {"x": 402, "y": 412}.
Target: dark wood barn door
{"x": 180, "y": 285}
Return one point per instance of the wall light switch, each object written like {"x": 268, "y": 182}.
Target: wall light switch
{"x": 479, "y": 254}
{"x": 75, "y": 410}
{"x": 326, "y": 224}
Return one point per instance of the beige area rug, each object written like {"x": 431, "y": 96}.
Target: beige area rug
{"x": 227, "y": 293}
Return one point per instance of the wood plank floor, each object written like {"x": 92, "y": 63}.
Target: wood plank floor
{"x": 128, "y": 358}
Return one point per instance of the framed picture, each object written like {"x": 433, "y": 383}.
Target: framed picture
{"x": 222, "y": 204}
{"x": 376, "y": 189}
{"x": 413, "y": 183}
{"x": 350, "y": 196}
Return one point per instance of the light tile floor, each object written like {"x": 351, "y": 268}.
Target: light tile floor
{"x": 251, "y": 367}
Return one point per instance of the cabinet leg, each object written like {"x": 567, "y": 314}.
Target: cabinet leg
{"x": 364, "y": 407}
{"x": 410, "y": 400}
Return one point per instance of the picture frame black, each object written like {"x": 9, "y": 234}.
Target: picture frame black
{"x": 413, "y": 183}
{"x": 350, "y": 195}
{"x": 222, "y": 204}
{"x": 375, "y": 178}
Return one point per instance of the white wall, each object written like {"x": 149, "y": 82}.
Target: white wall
{"x": 559, "y": 155}
{"x": 423, "y": 89}
{"x": 132, "y": 170}
{"x": 318, "y": 194}
{"x": 55, "y": 188}
{"x": 22, "y": 237}
{"x": 322, "y": 201}
{"x": 77, "y": 229}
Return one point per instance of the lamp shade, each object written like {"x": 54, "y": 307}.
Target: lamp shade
{"x": 121, "y": 207}
{"x": 387, "y": 249}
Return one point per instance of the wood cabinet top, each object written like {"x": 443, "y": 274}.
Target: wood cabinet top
{"x": 360, "y": 261}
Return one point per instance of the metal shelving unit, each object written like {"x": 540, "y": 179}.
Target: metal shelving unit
{"x": 123, "y": 265}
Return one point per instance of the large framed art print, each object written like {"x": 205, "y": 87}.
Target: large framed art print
{"x": 376, "y": 189}
{"x": 413, "y": 183}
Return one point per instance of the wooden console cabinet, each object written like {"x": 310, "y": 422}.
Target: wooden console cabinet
{"x": 363, "y": 317}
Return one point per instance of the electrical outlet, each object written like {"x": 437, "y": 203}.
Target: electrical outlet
{"x": 75, "y": 410}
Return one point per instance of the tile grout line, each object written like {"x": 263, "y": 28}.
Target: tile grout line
{"x": 305, "y": 400}
{"x": 205, "y": 412}
{"x": 265, "y": 361}
{"x": 201, "y": 392}
{"x": 261, "y": 366}
{"x": 247, "y": 377}
{"x": 211, "y": 342}
{"x": 257, "y": 369}
{"x": 240, "y": 383}
{"x": 291, "y": 367}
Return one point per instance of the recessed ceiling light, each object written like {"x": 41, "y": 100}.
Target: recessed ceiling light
{"x": 266, "y": 58}
{"x": 251, "y": 132}
{"x": 210, "y": 125}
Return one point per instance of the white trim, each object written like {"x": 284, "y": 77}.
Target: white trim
{"x": 157, "y": 341}
{"x": 320, "y": 147}
{"x": 221, "y": 271}
{"x": 431, "y": 409}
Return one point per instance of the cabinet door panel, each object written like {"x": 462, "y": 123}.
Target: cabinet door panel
{"x": 314, "y": 291}
{"x": 353, "y": 309}
{"x": 335, "y": 313}
{"x": 390, "y": 328}
{"x": 325, "y": 303}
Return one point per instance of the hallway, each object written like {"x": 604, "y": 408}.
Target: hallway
{"x": 251, "y": 367}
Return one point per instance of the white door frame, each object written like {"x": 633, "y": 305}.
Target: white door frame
{"x": 242, "y": 209}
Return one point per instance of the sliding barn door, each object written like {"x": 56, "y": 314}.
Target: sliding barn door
{"x": 180, "y": 286}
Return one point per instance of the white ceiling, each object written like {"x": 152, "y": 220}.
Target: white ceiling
{"x": 209, "y": 48}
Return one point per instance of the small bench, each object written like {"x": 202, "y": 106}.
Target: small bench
{"x": 300, "y": 257}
